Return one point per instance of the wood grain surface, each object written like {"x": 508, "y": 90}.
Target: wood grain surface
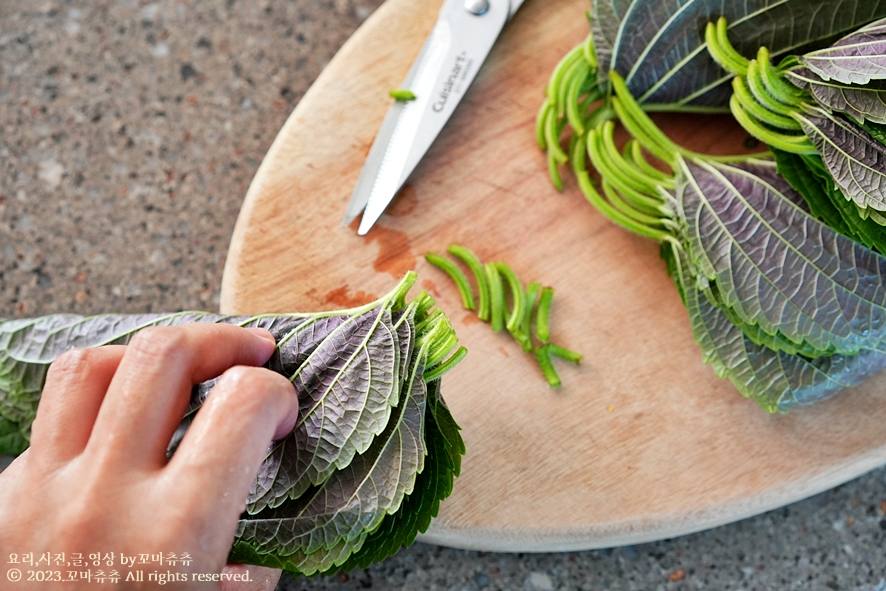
{"x": 642, "y": 442}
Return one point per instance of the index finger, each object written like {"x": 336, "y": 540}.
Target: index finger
{"x": 149, "y": 392}
{"x": 222, "y": 451}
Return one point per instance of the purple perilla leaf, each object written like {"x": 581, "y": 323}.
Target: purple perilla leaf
{"x": 776, "y": 266}
{"x": 855, "y": 160}
{"x": 863, "y": 103}
{"x": 662, "y": 54}
{"x": 857, "y": 58}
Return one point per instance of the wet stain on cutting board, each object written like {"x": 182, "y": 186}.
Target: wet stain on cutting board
{"x": 394, "y": 249}
{"x": 430, "y": 287}
{"x": 394, "y": 254}
{"x": 404, "y": 202}
{"x": 469, "y": 319}
{"x": 342, "y": 298}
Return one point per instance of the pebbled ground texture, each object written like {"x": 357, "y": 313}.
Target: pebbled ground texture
{"x": 129, "y": 132}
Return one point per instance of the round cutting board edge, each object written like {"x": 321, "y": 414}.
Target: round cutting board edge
{"x": 296, "y": 184}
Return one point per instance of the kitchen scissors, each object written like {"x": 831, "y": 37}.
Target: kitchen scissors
{"x": 449, "y": 61}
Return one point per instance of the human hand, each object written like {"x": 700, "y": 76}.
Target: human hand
{"x": 96, "y": 477}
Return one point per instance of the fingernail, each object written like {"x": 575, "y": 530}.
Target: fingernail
{"x": 288, "y": 423}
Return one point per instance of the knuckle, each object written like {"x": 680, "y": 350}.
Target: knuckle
{"x": 73, "y": 362}
{"x": 253, "y": 386}
{"x": 80, "y": 521}
{"x": 159, "y": 342}
{"x": 77, "y": 518}
{"x": 172, "y": 525}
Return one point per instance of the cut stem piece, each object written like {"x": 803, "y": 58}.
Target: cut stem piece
{"x": 543, "y": 356}
{"x": 476, "y": 267}
{"x": 402, "y": 95}
{"x": 542, "y": 318}
{"x": 564, "y": 353}
{"x": 515, "y": 320}
{"x": 496, "y": 297}
{"x": 457, "y": 276}
{"x": 529, "y": 306}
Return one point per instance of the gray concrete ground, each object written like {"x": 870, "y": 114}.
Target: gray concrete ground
{"x": 130, "y": 132}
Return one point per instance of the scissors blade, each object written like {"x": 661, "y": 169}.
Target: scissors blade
{"x": 515, "y": 6}
{"x": 439, "y": 78}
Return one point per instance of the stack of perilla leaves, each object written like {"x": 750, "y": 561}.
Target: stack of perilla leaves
{"x": 778, "y": 257}
{"x": 375, "y": 448}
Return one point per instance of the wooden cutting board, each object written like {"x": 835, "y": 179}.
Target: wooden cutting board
{"x": 642, "y": 442}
